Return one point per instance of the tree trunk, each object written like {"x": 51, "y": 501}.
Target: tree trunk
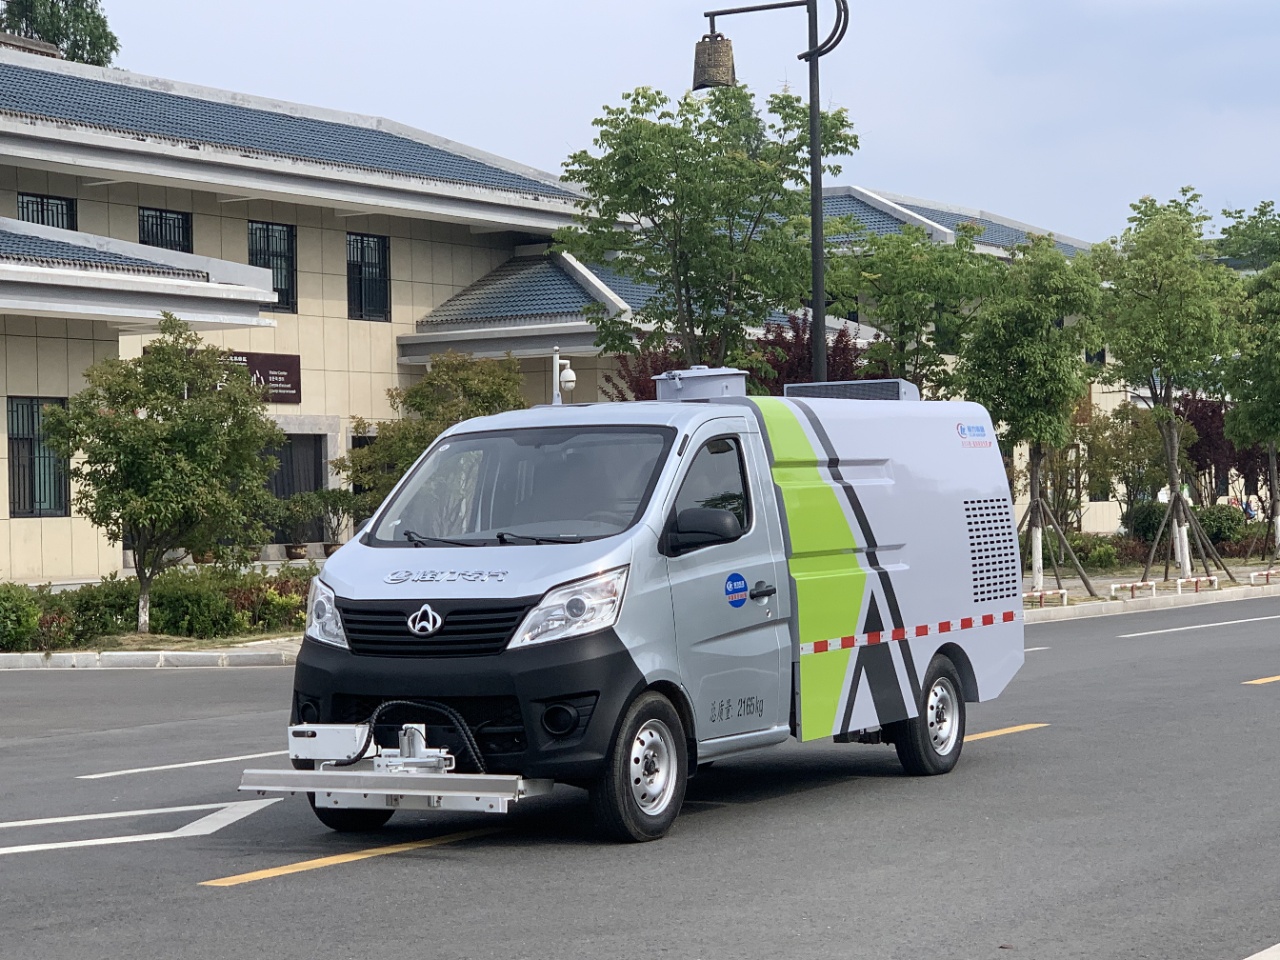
{"x": 1275, "y": 507}
{"x": 1036, "y": 529}
{"x": 144, "y": 605}
{"x": 1181, "y": 541}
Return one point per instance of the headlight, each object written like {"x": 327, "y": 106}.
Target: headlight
{"x": 583, "y": 606}
{"x": 323, "y": 622}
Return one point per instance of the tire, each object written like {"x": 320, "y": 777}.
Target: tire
{"x": 630, "y": 804}
{"x": 348, "y": 820}
{"x": 930, "y": 744}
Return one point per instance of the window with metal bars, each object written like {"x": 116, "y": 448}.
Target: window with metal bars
{"x": 39, "y": 483}
{"x": 274, "y": 246}
{"x": 368, "y": 277}
{"x": 169, "y": 229}
{"x": 48, "y": 211}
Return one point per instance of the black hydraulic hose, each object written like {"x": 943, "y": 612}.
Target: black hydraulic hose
{"x": 468, "y": 740}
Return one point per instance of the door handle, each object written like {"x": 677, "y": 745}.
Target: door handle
{"x": 762, "y": 591}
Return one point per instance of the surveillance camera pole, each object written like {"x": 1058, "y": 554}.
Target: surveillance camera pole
{"x": 555, "y": 377}
{"x": 558, "y": 370}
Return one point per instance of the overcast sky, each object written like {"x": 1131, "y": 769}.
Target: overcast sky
{"x": 1058, "y": 113}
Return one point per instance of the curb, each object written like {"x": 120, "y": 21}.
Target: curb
{"x": 1106, "y": 608}
{"x": 146, "y": 660}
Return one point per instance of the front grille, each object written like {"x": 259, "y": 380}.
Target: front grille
{"x": 468, "y": 629}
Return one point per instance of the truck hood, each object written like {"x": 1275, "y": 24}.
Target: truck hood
{"x": 360, "y": 572}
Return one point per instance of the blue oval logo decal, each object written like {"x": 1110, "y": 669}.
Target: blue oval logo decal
{"x": 735, "y": 589}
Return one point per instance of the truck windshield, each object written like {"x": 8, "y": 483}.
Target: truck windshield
{"x": 541, "y": 485}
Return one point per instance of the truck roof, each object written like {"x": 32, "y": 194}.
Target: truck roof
{"x": 687, "y": 415}
{"x": 640, "y": 413}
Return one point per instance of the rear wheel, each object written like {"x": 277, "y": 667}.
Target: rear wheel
{"x": 930, "y": 743}
{"x": 347, "y": 819}
{"x": 642, "y": 788}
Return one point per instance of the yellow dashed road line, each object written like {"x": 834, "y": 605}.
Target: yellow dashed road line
{"x": 342, "y": 858}
{"x": 1003, "y": 731}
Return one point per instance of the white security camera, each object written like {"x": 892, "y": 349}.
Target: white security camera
{"x": 568, "y": 379}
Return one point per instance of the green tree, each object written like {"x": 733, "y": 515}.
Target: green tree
{"x": 168, "y": 453}
{"x": 919, "y": 295}
{"x": 1254, "y": 381}
{"x": 1171, "y": 319}
{"x": 456, "y": 388}
{"x": 713, "y": 201}
{"x": 1024, "y": 358}
{"x": 1124, "y": 455}
{"x": 1254, "y": 238}
{"x": 78, "y": 28}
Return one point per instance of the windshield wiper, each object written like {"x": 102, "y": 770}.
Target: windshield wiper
{"x": 505, "y": 537}
{"x": 418, "y": 540}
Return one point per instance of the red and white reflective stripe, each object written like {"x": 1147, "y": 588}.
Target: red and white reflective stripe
{"x": 901, "y": 633}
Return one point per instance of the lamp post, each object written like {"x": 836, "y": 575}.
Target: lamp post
{"x": 713, "y": 67}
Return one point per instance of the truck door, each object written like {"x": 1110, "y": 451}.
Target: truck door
{"x": 731, "y": 600}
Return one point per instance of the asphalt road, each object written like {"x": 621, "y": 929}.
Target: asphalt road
{"x": 1140, "y": 823}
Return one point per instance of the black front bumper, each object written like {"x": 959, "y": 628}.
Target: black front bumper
{"x": 502, "y": 697}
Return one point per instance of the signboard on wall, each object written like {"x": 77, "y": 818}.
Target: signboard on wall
{"x": 280, "y": 373}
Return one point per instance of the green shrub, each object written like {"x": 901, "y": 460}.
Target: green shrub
{"x": 104, "y": 609}
{"x": 192, "y": 604}
{"x": 1103, "y": 556}
{"x": 19, "y": 616}
{"x": 1221, "y": 522}
{"x": 1144, "y": 519}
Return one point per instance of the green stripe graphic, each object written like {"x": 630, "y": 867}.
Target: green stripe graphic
{"x": 830, "y": 585}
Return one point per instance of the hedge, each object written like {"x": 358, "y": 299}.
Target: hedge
{"x": 204, "y": 602}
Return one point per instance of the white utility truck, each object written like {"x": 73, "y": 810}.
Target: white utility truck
{"x": 610, "y": 594}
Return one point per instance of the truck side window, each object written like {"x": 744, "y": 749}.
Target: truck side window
{"x": 716, "y": 480}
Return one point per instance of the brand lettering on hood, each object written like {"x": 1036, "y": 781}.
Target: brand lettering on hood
{"x": 445, "y": 576}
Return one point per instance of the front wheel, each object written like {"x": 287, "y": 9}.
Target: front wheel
{"x": 930, "y": 743}
{"x": 349, "y": 819}
{"x": 640, "y": 793}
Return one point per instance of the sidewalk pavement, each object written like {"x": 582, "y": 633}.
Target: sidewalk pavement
{"x": 284, "y": 651}
{"x": 258, "y": 653}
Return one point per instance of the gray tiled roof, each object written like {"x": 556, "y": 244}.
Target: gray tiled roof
{"x": 871, "y": 218}
{"x": 41, "y": 251}
{"x": 632, "y": 292}
{"x": 995, "y": 234}
{"x": 138, "y": 110}
{"x": 520, "y": 288}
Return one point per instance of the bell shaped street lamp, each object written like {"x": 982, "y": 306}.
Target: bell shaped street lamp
{"x": 713, "y": 67}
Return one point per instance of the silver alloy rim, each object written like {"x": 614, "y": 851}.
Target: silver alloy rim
{"x": 653, "y": 773}
{"x": 944, "y": 726}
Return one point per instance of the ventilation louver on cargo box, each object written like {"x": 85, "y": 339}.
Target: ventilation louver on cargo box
{"x": 855, "y": 390}
{"x": 993, "y": 549}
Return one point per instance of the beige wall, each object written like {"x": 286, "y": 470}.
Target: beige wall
{"x": 45, "y": 358}
{"x": 347, "y": 365}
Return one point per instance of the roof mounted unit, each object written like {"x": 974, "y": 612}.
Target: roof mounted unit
{"x": 701, "y": 383}
{"x": 855, "y": 390}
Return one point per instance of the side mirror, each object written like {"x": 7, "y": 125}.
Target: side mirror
{"x": 702, "y": 527}
{"x": 362, "y": 526}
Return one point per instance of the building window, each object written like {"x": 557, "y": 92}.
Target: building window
{"x": 1096, "y": 358}
{"x": 302, "y": 470}
{"x": 39, "y": 485}
{"x": 274, "y": 246}
{"x": 49, "y": 211}
{"x": 368, "y": 277}
{"x": 168, "y": 229}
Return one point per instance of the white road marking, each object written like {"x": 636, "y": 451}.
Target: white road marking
{"x": 179, "y": 766}
{"x": 224, "y": 815}
{"x": 1198, "y": 626}
{"x": 1034, "y": 649}
{"x": 1271, "y": 953}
